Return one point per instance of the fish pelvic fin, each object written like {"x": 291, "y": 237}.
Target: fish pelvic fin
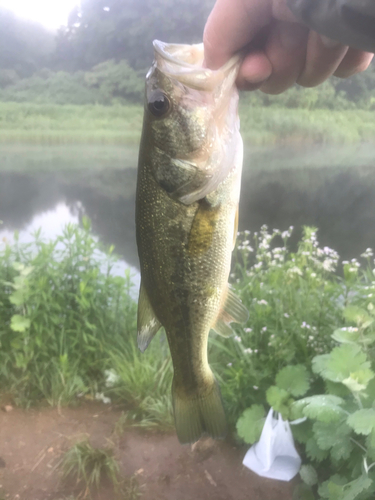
{"x": 198, "y": 414}
{"x": 232, "y": 312}
{"x": 147, "y": 323}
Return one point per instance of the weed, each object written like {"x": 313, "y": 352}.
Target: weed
{"x": 90, "y": 466}
{"x": 130, "y": 489}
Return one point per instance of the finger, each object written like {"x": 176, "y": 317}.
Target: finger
{"x": 354, "y": 62}
{"x": 323, "y": 57}
{"x": 255, "y": 70}
{"x": 286, "y": 51}
{"x": 231, "y": 26}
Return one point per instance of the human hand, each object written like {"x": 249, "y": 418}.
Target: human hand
{"x": 280, "y": 51}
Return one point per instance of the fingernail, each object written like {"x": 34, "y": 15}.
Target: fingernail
{"x": 329, "y": 43}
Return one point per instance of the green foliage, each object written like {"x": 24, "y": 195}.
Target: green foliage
{"x": 294, "y": 301}
{"x": 58, "y": 124}
{"x": 89, "y": 466}
{"x": 339, "y": 433}
{"x": 294, "y": 379}
{"x": 250, "y": 424}
{"x": 43, "y": 122}
{"x": 99, "y": 30}
{"x": 108, "y": 83}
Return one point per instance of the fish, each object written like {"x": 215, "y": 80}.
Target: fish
{"x": 188, "y": 188}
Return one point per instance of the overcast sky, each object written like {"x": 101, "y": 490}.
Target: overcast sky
{"x": 50, "y": 13}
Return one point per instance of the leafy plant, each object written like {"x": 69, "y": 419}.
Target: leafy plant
{"x": 295, "y": 300}
{"x": 62, "y": 314}
{"x": 339, "y": 433}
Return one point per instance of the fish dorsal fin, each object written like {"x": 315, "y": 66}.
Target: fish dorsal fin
{"x": 147, "y": 323}
{"x": 232, "y": 312}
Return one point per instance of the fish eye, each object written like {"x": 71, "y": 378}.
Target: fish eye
{"x": 158, "y": 103}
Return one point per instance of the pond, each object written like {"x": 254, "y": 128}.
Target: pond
{"x": 332, "y": 188}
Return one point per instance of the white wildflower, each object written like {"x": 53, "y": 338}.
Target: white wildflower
{"x": 262, "y": 302}
{"x": 111, "y": 378}
{"x": 248, "y": 350}
{"x": 264, "y": 329}
{"x": 368, "y": 253}
{"x": 295, "y": 270}
{"x": 229, "y": 365}
{"x": 248, "y": 330}
{"x": 237, "y": 338}
{"x": 101, "y": 397}
{"x": 286, "y": 315}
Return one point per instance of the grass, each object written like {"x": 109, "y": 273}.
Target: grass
{"x": 91, "y": 467}
{"x": 121, "y": 125}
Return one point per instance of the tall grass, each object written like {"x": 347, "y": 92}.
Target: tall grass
{"x": 97, "y": 124}
{"x": 66, "y": 322}
{"x": 69, "y": 124}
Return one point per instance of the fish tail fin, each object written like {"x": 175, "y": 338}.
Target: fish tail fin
{"x": 199, "y": 413}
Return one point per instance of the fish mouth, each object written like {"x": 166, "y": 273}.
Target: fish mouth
{"x": 185, "y": 63}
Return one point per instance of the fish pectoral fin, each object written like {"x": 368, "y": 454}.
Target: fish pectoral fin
{"x": 232, "y": 312}
{"x": 147, "y": 323}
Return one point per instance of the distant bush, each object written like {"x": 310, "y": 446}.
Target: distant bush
{"x": 107, "y": 83}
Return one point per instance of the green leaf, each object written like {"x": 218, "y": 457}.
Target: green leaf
{"x": 17, "y": 298}
{"x": 333, "y": 488}
{"x": 314, "y": 452}
{"x": 251, "y": 423}
{"x": 303, "y": 431}
{"x": 356, "y": 487}
{"x": 19, "y": 323}
{"x": 294, "y": 379}
{"x": 341, "y": 362}
{"x": 334, "y": 437}
{"x": 362, "y": 421}
{"x": 358, "y": 316}
{"x": 323, "y": 407}
{"x": 308, "y": 475}
{"x": 278, "y": 399}
{"x": 346, "y": 336}
{"x": 358, "y": 381}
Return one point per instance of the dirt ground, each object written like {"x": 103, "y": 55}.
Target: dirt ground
{"x": 33, "y": 442}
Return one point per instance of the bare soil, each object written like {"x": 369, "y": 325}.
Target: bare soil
{"x": 32, "y": 444}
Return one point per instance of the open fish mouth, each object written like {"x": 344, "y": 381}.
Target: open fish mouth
{"x": 185, "y": 63}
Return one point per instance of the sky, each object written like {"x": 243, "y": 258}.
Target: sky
{"x": 50, "y": 13}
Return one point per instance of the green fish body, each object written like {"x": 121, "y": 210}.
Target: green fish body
{"x": 188, "y": 189}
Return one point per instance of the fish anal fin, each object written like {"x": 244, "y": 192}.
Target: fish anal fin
{"x": 147, "y": 323}
{"x": 233, "y": 311}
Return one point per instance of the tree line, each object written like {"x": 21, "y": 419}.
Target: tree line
{"x": 105, "y": 49}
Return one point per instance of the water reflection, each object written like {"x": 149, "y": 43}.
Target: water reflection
{"x": 336, "y": 194}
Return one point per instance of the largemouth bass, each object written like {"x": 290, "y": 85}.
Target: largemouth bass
{"x": 188, "y": 191}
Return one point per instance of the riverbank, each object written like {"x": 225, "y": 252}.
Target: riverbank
{"x": 46, "y": 124}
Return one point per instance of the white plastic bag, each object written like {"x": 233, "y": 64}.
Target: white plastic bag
{"x": 274, "y": 455}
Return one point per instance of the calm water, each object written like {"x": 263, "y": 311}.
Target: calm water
{"x": 332, "y": 189}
